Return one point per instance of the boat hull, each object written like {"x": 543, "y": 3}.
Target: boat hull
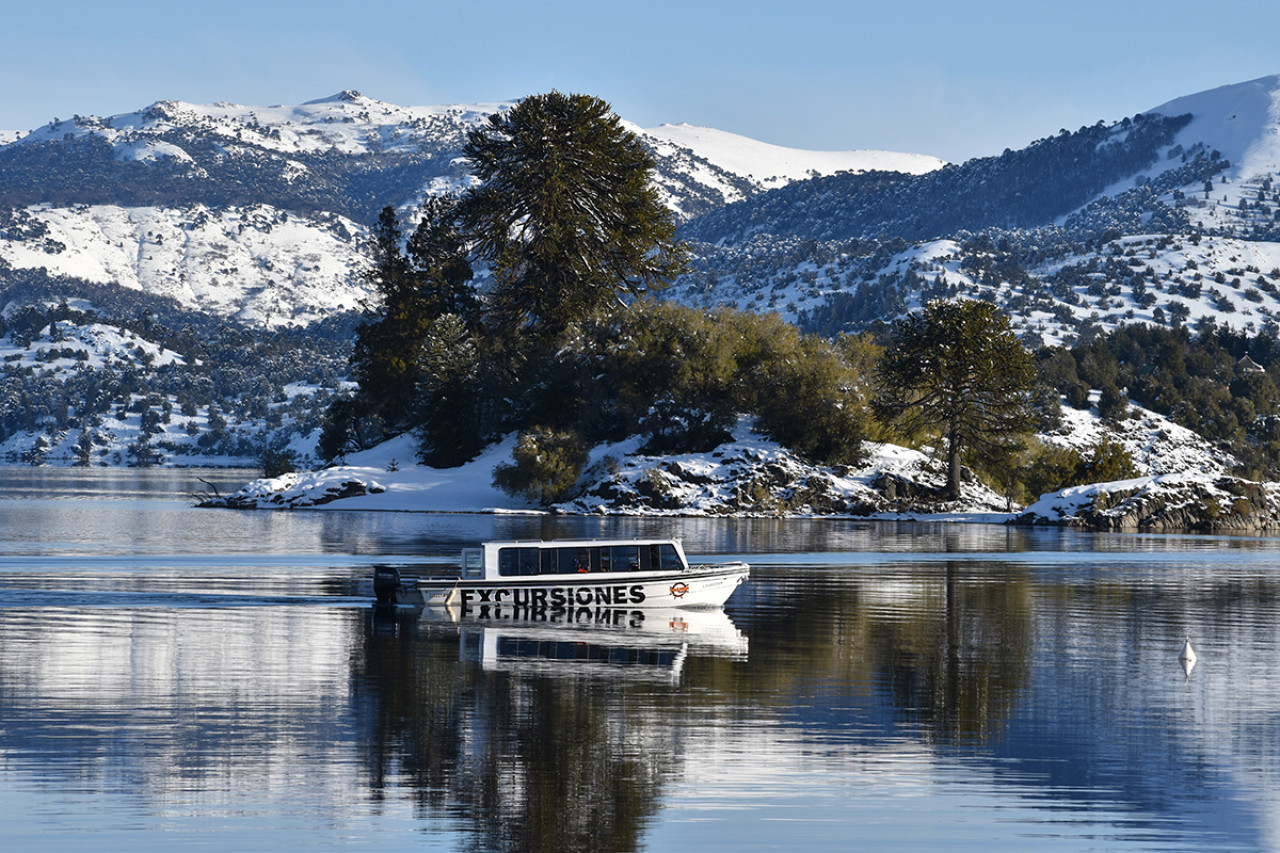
{"x": 698, "y": 587}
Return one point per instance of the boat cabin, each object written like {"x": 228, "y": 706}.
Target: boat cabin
{"x": 562, "y": 557}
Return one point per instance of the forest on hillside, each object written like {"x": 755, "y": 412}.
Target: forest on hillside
{"x": 568, "y": 342}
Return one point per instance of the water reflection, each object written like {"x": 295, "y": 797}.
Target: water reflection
{"x": 576, "y": 642}
{"x": 227, "y": 684}
{"x": 542, "y": 730}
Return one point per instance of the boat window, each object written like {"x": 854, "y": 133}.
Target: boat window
{"x": 517, "y": 561}
{"x": 669, "y": 559}
{"x": 581, "y": 559}
{"x": 575, "y": 560}
{"x": 472, "y": 563}
{"x": 623, "y": 558}
{"x": 559, "y": 561}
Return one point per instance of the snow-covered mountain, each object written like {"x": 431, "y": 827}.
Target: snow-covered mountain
{"x": 259, "y": 213}
{"x": 772, "y": 166}
{"x": 1169, "y": 216}
{"x": 1241, "y": 121}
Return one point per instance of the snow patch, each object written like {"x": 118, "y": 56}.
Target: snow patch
{"x": 773, "y": 166}
{"x": 1239, "y": 120}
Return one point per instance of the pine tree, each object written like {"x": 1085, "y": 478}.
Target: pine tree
{"x": 437, "y": 253}
{"x": 565, "y": 213}
{"x": 569, "y": 225}
{"x": 452, "y": 396}
{"x": 957, "y": 367}
{"x": 384, "y": 361}
{"x": 417, "y": 285}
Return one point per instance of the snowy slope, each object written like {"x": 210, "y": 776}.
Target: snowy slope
{"x": 1241, "y": 121}
{"x": 257, "y": 264}
{"x": 772, "y": 166}
{"x": 289, "y": 245}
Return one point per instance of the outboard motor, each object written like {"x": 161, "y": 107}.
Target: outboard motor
{"x": 386, "y": 583}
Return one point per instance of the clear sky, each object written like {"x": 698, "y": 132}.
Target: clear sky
{"x": 951, "y": 79}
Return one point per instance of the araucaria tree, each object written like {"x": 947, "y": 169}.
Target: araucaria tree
{"x": 957, "y": 368}
{"x": 565, "y": 213}
{"x": 566, "y": 219}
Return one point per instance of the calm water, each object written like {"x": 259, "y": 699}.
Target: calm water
{"x": 173, "y": 678}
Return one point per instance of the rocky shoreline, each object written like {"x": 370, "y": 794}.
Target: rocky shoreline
{"x": 753, "y": 478}
{"x": 1169, "y": 503}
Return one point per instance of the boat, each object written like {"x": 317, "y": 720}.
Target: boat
{"x": 567, "y": 574}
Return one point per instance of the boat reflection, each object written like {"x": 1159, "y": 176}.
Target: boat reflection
{"x": 639, "y": 644}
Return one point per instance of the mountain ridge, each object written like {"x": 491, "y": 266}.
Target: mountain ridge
{"x": 259, "y": 213}
{"x": 1241, "y": 119}
{"x": 253, "y": 226}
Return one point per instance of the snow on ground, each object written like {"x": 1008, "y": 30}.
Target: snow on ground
{"x": 67, "y": 345}
{"x": 1070, "y": 502}
{"x": 620, "y": 480}
{"x": 1157, "y": 444}
{"x": 257, "y": 263}
{"x": 392, "y": 482}
{"x": 772, "y": 166}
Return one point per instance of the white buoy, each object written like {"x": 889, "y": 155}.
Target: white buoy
{"x": 1187, "y": 658}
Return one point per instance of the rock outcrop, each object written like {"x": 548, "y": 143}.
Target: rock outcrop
{"x": 289, "y": 492}
{"x": 1183, "y": 503}
{"x": 761, "y": 478}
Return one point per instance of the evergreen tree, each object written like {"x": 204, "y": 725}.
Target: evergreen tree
{"x": 437, "y": 252}
{"x": 565, "y": 213}
{"x": 384, "y": 362}
{"x": 568, "y": 223}
{"x": 417, "y": 285}
{"x": 957, "y": 367}
{"x": 452, "y": 395}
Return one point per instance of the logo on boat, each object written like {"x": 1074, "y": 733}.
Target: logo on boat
{"x": 679, "y": 588}
{"x": 581, "y": 596}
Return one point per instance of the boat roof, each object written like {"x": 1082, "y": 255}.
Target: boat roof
{"x": 579, "y": 543}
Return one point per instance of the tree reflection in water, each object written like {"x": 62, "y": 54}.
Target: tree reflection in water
{"x": 574, "y": 760}
{"x": 573, "y": 746}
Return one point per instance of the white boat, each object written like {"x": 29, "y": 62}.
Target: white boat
{"x": 568, "y": 574}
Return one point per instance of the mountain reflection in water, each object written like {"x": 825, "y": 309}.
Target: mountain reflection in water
{"x": 872, "y": 687}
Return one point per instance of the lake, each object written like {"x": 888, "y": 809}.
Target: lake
{"x": 175, "y": 678}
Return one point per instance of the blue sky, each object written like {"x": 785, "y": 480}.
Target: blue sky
{"x": 954, "y": 80}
